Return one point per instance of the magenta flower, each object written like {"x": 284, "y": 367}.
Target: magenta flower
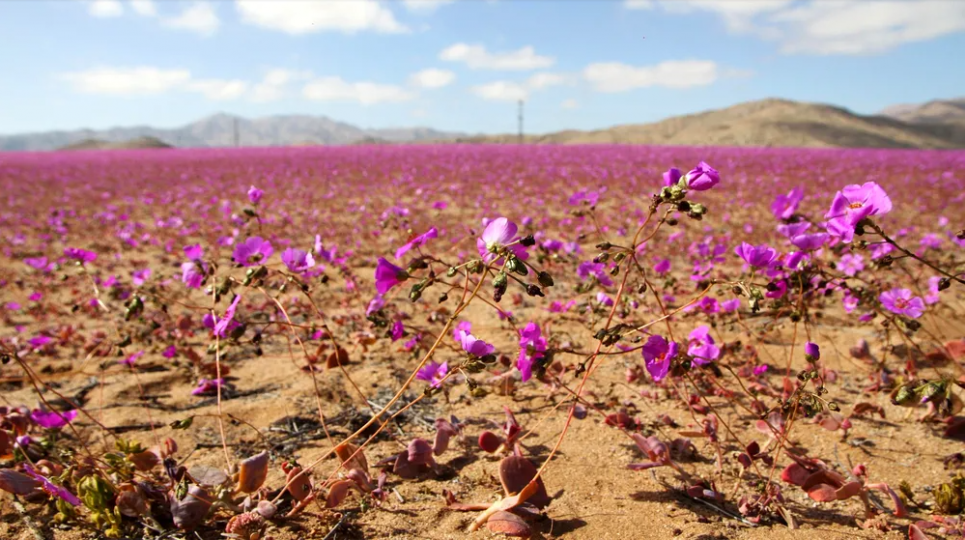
{"x": 255, "y": 194}
{"x": 388, "y": 275}
{"x": 39, "y": 263}
{"x": 433, "y": 373}
{"x": 398, "y": 330}
{"x": 854, "y": 203}
{"x": 207, "y": 387}
{"x": 812, "y": 352}
{"x": 252, "y": 251}
{"x": 589, "y": 197}
{"x": 586, "y": 269}
{"x": 297, "y": 261}
{"x": 420, "y": 240}
{"x": 657, "y": 354}
{"x": 470, "y": 343}
{"x": 756, "y": 256}
{"x": 603, "y": 299}
{"x": 729, "y": 306}
{"x": 785, "y": 206}
{"x": 138, "y": 277}
{"x": 53, "y": 419}
{"x": 702, "y": 177}
{"x": 194, "y": 252}
{"x": 902, "y": 302}
{"x": 170, "y": 352}
{"x": 662, "y": 266}
{"x": 80, "y": 255}
{"x": 809, "y": 242}
{"x": 671, "y": 176}
{"x": 499, "y": 233}
{"x": 794, "y": 258}
{"x": 702, "y": 347}
{"x": 224, "y": 325}
{"x": 849, "y": 301}
{"x": 933, "y": 293}
{"x": 132, "y": 359}
{"x": 532, "y": 346}
{"x": 780, "y": 289}
{"x": 51, "y": 488}
{"x": 375, "y": 304}
{"x": 193, "y": 273}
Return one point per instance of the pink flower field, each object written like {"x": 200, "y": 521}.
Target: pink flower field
{"x": 469, "y": 341}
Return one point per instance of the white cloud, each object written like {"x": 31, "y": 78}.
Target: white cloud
{"x": 477, "y": 57}
{"x": 432, "y": 78}
{"x": 275, "y": 84}
{"x": 612, "y": 77}
{"x": 105, "y": 8}
{"x": 364, "y": 93}
{"x": 123, "y": 82}
{"x": 218, "y": 89}
{"x": 304, "y": 17}
{"x": 638, "y": 4}
{"x": 514, "y": 91}
{"x": 425, "y": 6}
{"x": 199, "y": 17}
{"x": 570, "y": 104}
{"x": 144, "y": 8}
{"x": 843, "y": 27}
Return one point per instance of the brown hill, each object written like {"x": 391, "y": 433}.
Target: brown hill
{"x": 138, "y": 143}
{"x": 769, "y": 122}
{"x": 939, "y": 111}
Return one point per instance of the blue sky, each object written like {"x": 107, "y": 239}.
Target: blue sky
{"x": 462, "y": 64}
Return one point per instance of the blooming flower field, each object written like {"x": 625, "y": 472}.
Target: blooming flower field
{"x": 423, "y": 342}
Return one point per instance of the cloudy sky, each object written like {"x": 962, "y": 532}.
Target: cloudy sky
{"x": 463, "y": 64}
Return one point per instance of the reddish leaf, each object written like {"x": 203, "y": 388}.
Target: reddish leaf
{"x": 489, "y": 441}
{"x": 253, "y": 472}
{"x": 190, "y": 511}
{"x": 509, "y": 524}
{"x": 17, "y": 483}
{"x": 515, "y": 473}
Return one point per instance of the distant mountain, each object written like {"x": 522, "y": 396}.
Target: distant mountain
{"x": 219, "y": 130}
{"x": 939, "y": 111}
{"x": 768, "y": 122}
{"x": 96, "y": 144}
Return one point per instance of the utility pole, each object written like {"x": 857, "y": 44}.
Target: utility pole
{"x": 520, "y": 121}
{"x": 236, "y": 132}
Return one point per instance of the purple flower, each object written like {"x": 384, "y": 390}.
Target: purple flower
{"x": 784, "y": 206}
{"x": 849, "y": 301}
{"x": 433, "y": 373}
{"x": 559, "y": 307}
{"x": 51, "y": 488}
{"x": 851, "y": 264}
{"x": 375, "y": 304}
{"x": 809, "y": 242}
{"x": 132, "y": 359}
{"x": 662, "y": 266}
{"x": 297, "y": 261}
{"x": 420, "y": 240}
{"x": 791, "y": 230}
{"x": 532, "y": 346}
{"x": 170, "y": 352}
{"x": 672, "y": 176}
{"x": 398, "y": 330}
{"x": 254, "y": 194}
{"x": 854, "y": 203}
{"x": 193, "y": 273}
{"x": 902, "y": 302}
{"x": 702, "y": 177}
{"x": 933, "y": 293}
{"x": 224, "y": 325}
{"x": 252, "y": 251}
{"x": 760, "y": 370}
{"x": 207, "y": 387}
{"x": 812, "y": 352}
{"x": 470, "y": 343}
{"x": 39, "y": 341}
{"x": 388, "y": 275}
{"x": 498, "y": 234}
{"x": 12, "y": 306}
{"x": 794, "y": 259}
{"x": 194, "y": 253}
{"x": 658, "y": 353}
{"x": 780, "y": 289}
{"x": 731, "y": 305}
{"x": 702, "y": 347}
{"x": 597, "y": 270}
{"x": 138, "y": 277}
{"x": 589, "y": 197}
{"x": 931, "y": 241}
{"x": 603, "y": 299}
{"x": 53, "y": 419}
{"x": 756, "y": 256}
{"x": 80, "y": 255}
{"x": 39, "y": 263}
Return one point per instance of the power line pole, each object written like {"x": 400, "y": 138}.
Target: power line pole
{"x": 520, "y": 121}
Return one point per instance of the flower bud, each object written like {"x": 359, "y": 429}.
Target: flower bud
{"x": 545, "y": 279}
{"x": 533, "y": 290}
{"x": 944, "y": 283}
{"x": 528, "y": 241}
{"x": 500, "y": 281}
{"x": 451, "y": 271}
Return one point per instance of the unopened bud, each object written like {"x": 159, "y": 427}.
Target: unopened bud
{"x": 533, "y": 290}
{"x": 545, "y": 279}
{"x": 944, "y": 283}
{"x": 528, "y": 241}
{"x": 603, "y": 246}
{"x": 672, "y": 221}
{"x": 451, "y": 271}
